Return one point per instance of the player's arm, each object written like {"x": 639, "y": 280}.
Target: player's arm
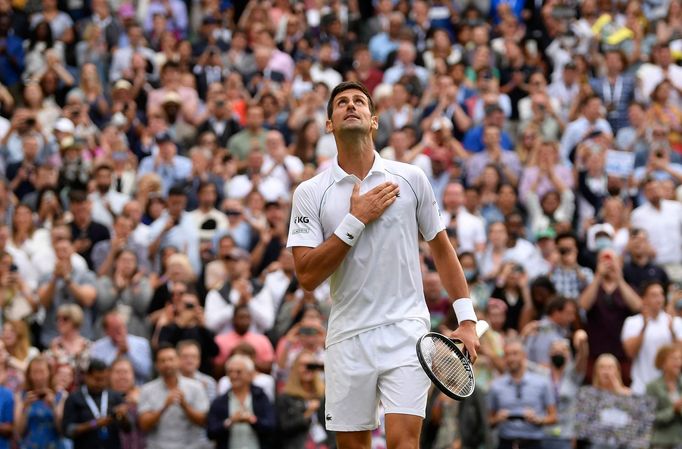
{"x": 315, "y": 265}
{"x": 452, "y": 276}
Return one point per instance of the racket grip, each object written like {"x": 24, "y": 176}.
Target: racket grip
{"x": 481, "y": 327}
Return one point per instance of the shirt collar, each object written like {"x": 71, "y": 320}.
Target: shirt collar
{"x": 340, "y": 174}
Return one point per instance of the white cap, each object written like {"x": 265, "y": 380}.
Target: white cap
{"x": 602, "y": 228}
{"x": 64, "y": 125}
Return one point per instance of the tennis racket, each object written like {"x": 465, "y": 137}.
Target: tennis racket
{"x": 448, "y": 367}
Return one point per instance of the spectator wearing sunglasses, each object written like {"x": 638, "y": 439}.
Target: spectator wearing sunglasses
{"x": 521, "y": 402}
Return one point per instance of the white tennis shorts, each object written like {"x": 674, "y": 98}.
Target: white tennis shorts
{"x": 377, "y": 365}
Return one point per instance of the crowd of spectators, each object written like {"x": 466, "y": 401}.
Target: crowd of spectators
{"x": 149, "y": 152}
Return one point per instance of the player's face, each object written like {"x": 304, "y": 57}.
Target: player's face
{"x": 351, "y": 113}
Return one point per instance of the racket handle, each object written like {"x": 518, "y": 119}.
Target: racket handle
{"x": 481, "y": 327}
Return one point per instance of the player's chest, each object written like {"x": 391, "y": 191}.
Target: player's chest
{"x": 336, "y": 203}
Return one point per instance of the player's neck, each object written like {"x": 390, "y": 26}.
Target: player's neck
{"x": 356, "y": 156}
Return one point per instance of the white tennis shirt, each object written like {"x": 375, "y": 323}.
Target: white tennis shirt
{"x": 379, "y": 281}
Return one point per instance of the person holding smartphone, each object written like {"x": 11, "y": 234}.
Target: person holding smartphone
{"x": 38, "y": 409}
{"x": 188, "y": 324}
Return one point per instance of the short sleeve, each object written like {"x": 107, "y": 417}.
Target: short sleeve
{"x": 548, "y": 393}
{"x": 145, "y": 403}
{"x": 429, "y": 218}
{"x": 199, "y": 399}
{"x": 631, "y": 327}
{"x": 305, "y": 228}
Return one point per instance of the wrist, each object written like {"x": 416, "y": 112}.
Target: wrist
{"x": 464, "y": 310}
{"x": 349, "y": 229}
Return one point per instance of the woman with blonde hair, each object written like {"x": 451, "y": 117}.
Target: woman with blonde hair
{"x": 300, "y": 404}
{"x": 607, "y": 376}
{"x": 70, "y": 346}
{"x": 91, "y": 85}
{"x": 15, "y": 335}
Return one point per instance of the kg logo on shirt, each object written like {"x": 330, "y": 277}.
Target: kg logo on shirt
{"x": 301, "y": 219}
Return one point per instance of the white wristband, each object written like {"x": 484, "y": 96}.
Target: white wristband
{"x": 349, "y": 229}
{"x": 464, "y": 310}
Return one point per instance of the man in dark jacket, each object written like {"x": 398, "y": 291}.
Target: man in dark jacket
{"x": 94, "y": 415}
{"x": 244, "y": 416}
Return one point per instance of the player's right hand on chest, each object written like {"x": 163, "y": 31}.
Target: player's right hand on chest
{"x": 369, "y": 206}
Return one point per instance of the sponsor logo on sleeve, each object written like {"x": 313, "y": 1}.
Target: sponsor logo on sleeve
{"x": 302, "y": 219}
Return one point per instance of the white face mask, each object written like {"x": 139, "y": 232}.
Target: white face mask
{"x": 601, "y": 243}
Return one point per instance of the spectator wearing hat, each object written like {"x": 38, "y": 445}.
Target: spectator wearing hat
{"x": 166, "y": 163}
{"x": 662, "y": 221}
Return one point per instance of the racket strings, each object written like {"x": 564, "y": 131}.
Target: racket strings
{"x": 447, "y": 366}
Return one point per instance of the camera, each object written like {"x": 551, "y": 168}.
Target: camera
{"x": 659, "y": 154}
{"x": 308, "y": 331}
{"x": 30, "y": 121}
{"x": 315, "y": 366}
{"x": 189, "y": 305}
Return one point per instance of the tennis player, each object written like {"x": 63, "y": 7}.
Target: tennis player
{"x": 358, "y": 222}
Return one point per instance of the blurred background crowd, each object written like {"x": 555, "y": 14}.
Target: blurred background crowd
{"x": 150, "y": 150}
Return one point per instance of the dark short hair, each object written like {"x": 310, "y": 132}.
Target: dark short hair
{"x": 348, "y": 85}
{"x": 567, "y": 235}
{"x": 77, "y": 196}
{"x": 163, "y": 346}
{"x": 558, "y": 303}
{"x": 96, "y": 366}
{"x": 646, "y": 285}
{"x": 177, "y": 190}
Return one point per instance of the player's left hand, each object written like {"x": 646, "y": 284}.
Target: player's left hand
{"x": 466, "y": 333}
